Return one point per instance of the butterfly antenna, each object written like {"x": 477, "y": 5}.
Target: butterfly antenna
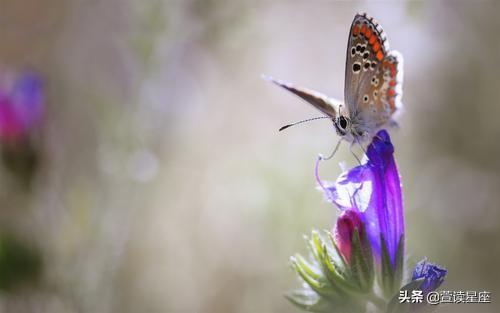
{"x": 333, "y": 152}
{"x": 303, "y": 121}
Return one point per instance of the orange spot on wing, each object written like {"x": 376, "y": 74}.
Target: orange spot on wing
{"x": 391, "y": 93}
{"x": 393, "y": 69}
{"x": 392, "y": 104}
{"x": 379, "y": 55}
{"x": 355, "y": 30}
{"x": 368, "y": 33}
{"x": 392, "y": 83}
{"x": 372, "y": 40}
{"x": 363, "y": 29}
{"x": 376, "y": 47}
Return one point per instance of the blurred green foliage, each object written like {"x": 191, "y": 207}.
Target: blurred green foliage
{"x": 20, "y": 263}
{"x": 21, "y": 161}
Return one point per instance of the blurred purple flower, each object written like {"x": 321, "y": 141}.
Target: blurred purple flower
{"x": 373, "y": 189}
{"x": 21, "y": 107}
{"x": 432, "y": 274}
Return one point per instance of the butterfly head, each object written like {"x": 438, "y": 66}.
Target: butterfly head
{"x": 342, "y": 125}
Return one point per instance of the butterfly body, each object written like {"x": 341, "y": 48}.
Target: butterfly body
{"x": 373, "y": 80}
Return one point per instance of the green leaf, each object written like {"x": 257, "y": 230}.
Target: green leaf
{"x": 20, "y": 263}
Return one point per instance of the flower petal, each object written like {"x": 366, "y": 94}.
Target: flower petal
{"x": 373, "y": 189}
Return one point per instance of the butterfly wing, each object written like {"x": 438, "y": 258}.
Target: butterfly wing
{"x": 320, "y": 101}
{"x": 373, "y": 76}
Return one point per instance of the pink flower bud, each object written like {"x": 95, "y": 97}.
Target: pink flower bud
{"x": 347, "y": 222}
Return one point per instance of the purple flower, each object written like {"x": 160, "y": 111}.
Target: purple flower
{"x": 374, "y": 190}
{"x": 347, "y": 223}
{"x": 21, "y": 106}
{"x": 432, "y": 274}
{"x": 370, "y": 227}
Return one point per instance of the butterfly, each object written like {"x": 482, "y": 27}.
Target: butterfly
{"x": 373, "y": 85}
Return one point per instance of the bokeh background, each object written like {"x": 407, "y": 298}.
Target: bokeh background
{"x": 163, "y": 184}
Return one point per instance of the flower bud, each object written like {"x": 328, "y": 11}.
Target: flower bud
{"x": 347, "y": 223}
{"x": 432, "y": 274}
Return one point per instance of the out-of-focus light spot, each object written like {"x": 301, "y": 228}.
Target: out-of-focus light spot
{"x": 143, "y": 166}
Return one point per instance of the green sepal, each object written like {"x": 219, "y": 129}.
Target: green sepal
{"x": 344, "y": 262}
{"x": 387, "y": 271}
{"x": 400, "y": 261}
{"x": 309, "y": 300}
{"x": 316, "y": 244}
{"x": 330, "y": 269}
{"x": 317, "y": 283}
{"x": 331, "y": 283}
{"x": 361, "y": 263}
{"x": 391, "y": 275}
{"x": 306, "y": 266}
{"x": 395, "y": 306}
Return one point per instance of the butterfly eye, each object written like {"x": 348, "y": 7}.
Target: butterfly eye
{"x": 342, "y": 122}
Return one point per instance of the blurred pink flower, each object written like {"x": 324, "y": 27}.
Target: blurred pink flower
{"x": 22, "y": 105}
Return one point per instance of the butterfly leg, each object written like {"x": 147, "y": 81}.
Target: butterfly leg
{"x": 352, "y": 152}
{"x": 321, "y": 157}
{"x": 393, "y": 124}
{"x": 360, "y": 145}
